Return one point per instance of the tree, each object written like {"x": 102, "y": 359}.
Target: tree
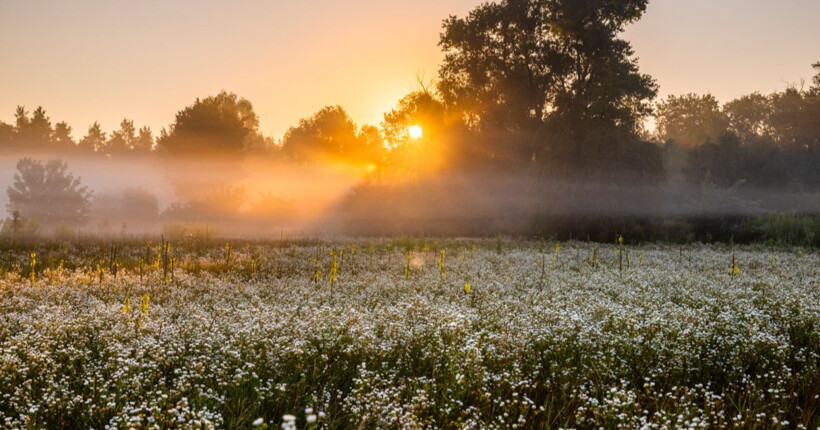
{"x": 123, "y": 140}
{"x": 94, "y": 140}
{"x": 6, "y": 135}
{"x": 556, "y": 77}
{"x": 748, "y": 116}
{"x": 21, "y": 126}
{"x": 727, "y": 161}
{"x": 145, "y": 140}
{"x": 516, "y": 63}
{"x": 48, "y": 193}
{"x": 690, "y": 119}
{"x": 39, "y": 132}
{"x": 329, "y": 134}
{"x": 419, "y": 108}
{"x": 816, "y": 79}
{"x": 213, "y": 135}
{"x": 216, "y": 126}
{"x": 61, "y": 138}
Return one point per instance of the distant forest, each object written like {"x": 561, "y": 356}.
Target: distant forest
{"x": 536, "y": 100}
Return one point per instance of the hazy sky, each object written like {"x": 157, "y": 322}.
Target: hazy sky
{"x": 104, "y": 60}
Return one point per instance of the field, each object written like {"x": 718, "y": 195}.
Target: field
{"x": 410, "y": 333}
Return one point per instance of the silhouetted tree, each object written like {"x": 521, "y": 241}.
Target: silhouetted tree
{"x": 690, "y": 120}
{"x": 216, "y": 126}
{"x": 94, "y": 140}
{"x": 145, "y": 141}
{"x": 419, "y": 108}
{"x": 329, "y": 134}
{"x": 123, "y": 140}
{"x": 748, "y": 116}
{"x": 39, "y": 132}
{"x": 6, "y": 136}
{"x": 515, "y": 63}
{"x": 48, "y": 193}
{"x": 61, "y": 139}
{"x": 557, "y": 74}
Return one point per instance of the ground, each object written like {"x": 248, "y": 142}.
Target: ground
{"x": 384, "y": 334}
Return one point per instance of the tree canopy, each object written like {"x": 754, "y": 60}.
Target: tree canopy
{"x": 516, "y": 63}
{"x": 48, "y": 193}
{"x": 215, "y": 126}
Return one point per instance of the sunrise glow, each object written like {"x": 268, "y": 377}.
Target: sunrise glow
{"x": 415, "y": 132}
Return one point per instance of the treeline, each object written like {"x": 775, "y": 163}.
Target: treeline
{"x": 765, "y": 141}
{"x": 535, "y": 123}
{"x": 33, "y": 133}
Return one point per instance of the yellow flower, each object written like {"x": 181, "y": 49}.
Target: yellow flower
{"x": 144, "y": 304}
{"x": 126, "y": 307}
{"x": 468, "y": 288}
{"x": 620, "y": 239}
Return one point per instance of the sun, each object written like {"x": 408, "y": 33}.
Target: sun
{"x": 415, "y": 131}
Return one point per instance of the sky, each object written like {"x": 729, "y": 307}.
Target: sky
{"x": 104, "y": 60}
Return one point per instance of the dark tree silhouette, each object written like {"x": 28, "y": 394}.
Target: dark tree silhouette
{"x": 212, "y": 135}
{"x": 515, "y": 63}
{"x": 749, "y": 116}
{"x": 216, "y": 126}
{"x": 555, "y": 75}
{"x": 61, "y": 139}
{"x": 94, "y": 140}
{"x": 690, "y": 120}
{"x": 6, "y": 135}
{"x": 48, "y": 193}
{"x": 32, "y": 132}
{"x": 331, "y": 134}
{"x": 145, "y": 140}
{"x": 123, "y": 140}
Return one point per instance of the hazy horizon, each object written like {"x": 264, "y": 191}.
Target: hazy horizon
{"x": 99, "y": 61}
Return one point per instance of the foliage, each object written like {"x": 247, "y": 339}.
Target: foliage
{"x": 331, "y": 135}
{"x": 216, "y": 126}
{"x": 48, "y": 193}
{"x": 691, "y": 120}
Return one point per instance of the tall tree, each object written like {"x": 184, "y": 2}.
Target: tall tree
{"x": 690, "y": 119}
{"x": 122, "y": 140}
{"x": 145, "y": 140}
{"x": 39, "y": 133}
{"x": 216, "y": 126}
{"x": 48, "y": 193}
{"x": 94, "y": 140}
{"x": 330, "y": 133}
{"x": 6, "y": 136}
{"x": 515, "y": 63}
{"x": 61, "y": 139}
{"x": 748, "y": 116}
{"x": 211, "y": 134}
{"x": 21, "y": 126}
{"x": 557, "y": 75}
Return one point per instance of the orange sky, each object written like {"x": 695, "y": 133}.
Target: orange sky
{"x": 104, "y": 60}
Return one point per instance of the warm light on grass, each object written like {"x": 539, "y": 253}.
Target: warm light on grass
{"x": 415, "y": 131}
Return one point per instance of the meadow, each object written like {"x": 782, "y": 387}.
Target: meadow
{"x": 408, "y": 333}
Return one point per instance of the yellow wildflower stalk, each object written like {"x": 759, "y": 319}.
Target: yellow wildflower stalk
{"x": 33, "y": 265}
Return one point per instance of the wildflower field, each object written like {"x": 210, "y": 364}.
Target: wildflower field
{"x": 410, "y": 333}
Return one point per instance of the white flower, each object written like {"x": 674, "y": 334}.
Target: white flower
{"x": 258, "y": 422}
